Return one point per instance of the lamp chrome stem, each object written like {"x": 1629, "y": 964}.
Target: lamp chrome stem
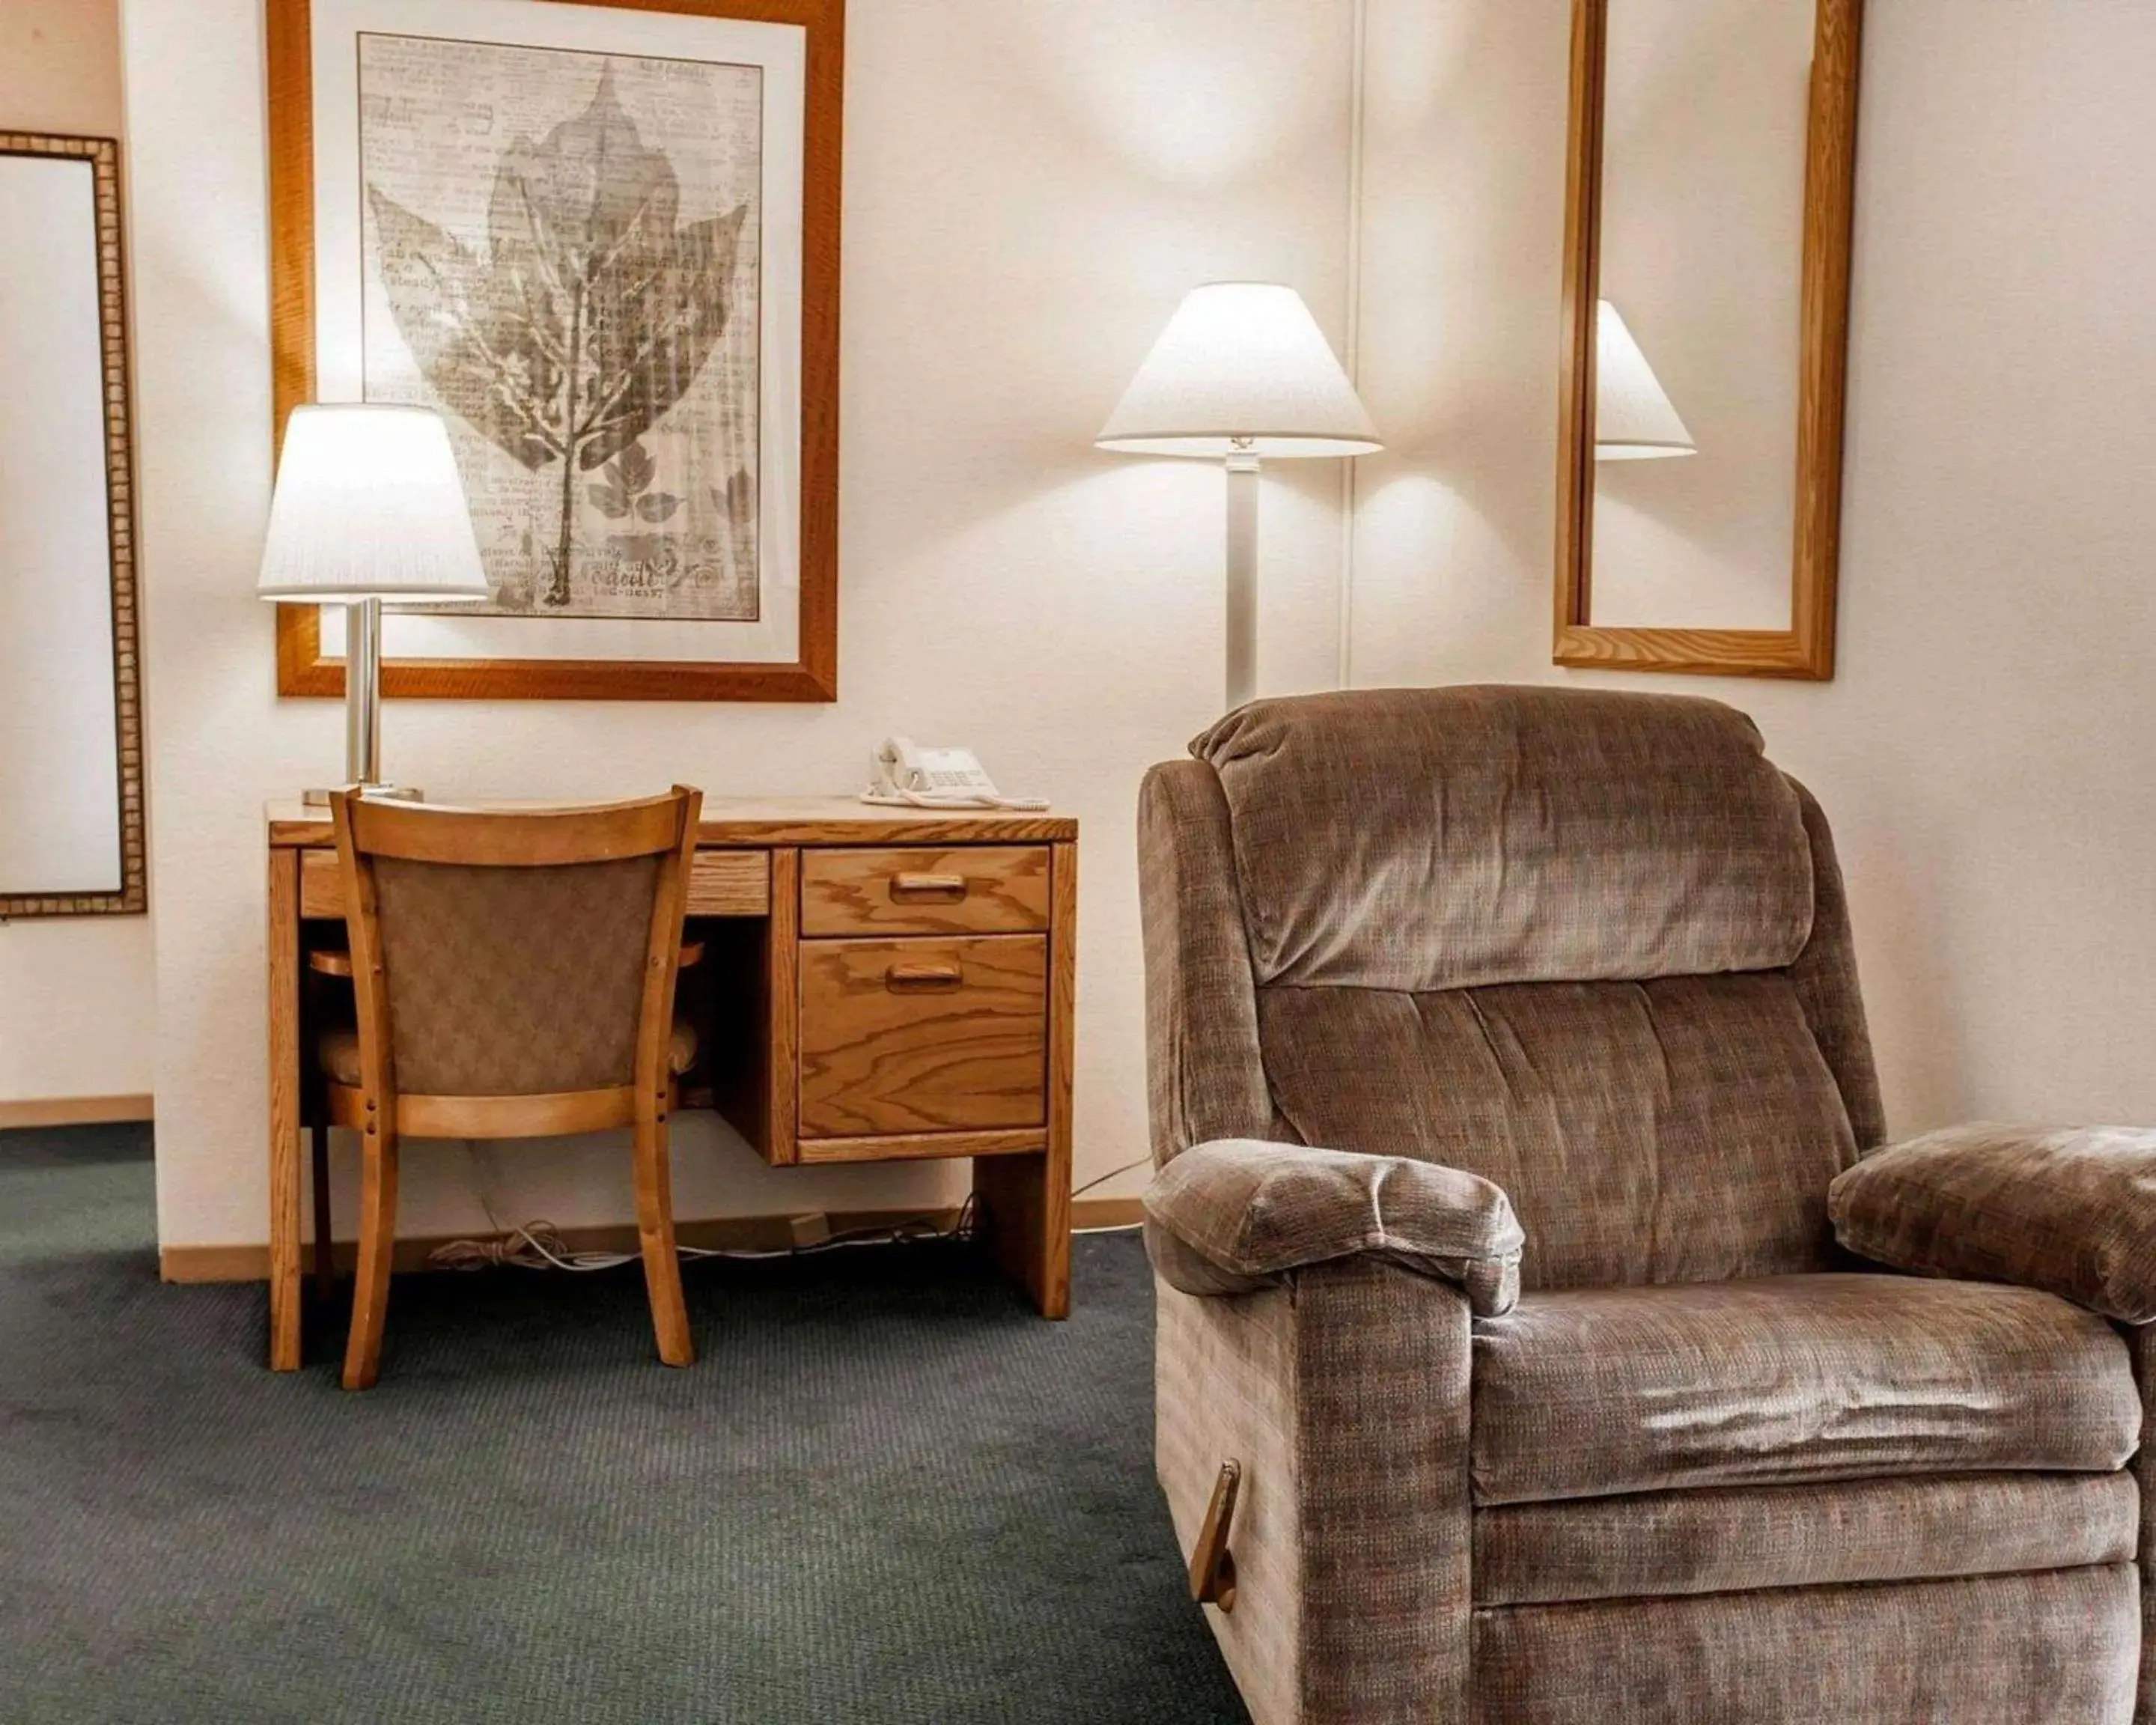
{"x": 1242, "y": 579}
{"x": 362, "y": 707}
{"x": 363, "y": 692}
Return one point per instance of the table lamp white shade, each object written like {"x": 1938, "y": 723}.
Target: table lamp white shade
{"x": 1241, "y": 369}
{"x": 1634, "y": 420}
{"x": 368, "y": 505}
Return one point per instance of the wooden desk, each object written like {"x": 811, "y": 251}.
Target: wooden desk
{"x": 879, "y": 984}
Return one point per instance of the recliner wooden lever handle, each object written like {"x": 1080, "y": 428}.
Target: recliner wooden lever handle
{"x": 1212, "y": 1564}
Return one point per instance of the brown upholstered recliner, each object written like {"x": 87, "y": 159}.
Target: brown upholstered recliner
{"x": 1553, "y": 1396}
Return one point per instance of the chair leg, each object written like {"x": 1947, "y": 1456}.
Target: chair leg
{"x": 655, "y": 1229}
{"x": 324, "y": 1251}
{"x": 377, "y": 1242}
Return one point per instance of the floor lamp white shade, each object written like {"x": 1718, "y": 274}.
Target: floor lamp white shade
{"x": 367, "y": 507}
{"x": 1241, "y": 373}
{"x": 1634, "y": 420}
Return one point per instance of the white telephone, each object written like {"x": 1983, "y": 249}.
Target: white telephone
{"x": 936, "y": 779}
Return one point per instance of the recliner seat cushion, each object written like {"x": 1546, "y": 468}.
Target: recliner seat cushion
{"x": 1591, "y": 1392}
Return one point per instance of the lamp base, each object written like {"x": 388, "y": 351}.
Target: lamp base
{"x": 318, "y": 796}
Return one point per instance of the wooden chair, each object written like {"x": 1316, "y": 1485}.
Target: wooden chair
{"x": 513, "y": 977}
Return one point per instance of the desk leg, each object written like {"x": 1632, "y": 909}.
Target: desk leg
{"x": 1027, "y": 1199}
{"x": 283, "y": 1110}
{"x": 1026, "y": 1218}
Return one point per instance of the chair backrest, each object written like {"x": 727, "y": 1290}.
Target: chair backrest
{"x": 1592, "y": 945}
{"x": 515, "y": 953}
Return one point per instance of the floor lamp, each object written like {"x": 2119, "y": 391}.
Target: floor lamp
{"x": 368, "y": 506}
{"x": 1241, "y": 374}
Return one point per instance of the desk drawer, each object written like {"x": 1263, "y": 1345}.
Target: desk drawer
{"x": 973, "y": 889}
{"x": 721, "y": 883}
{"x": 923, "y": 1035}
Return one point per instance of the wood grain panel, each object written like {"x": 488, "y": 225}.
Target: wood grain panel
{"x": 914, "y": 1146}
{"x": 976, "y": 889}
{"x": 730, "y": 883}
{"x": 322, "y": 884}
{"x": 283, "y": 1112}
{"x": 922, "y": 1035}
{"x": 1026, "y": 1200}
{"x": 766, "y": 821}
{"x": 781, "y": 1003}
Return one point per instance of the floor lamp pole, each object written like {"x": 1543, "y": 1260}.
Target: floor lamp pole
{"x": 1242, "y": 579}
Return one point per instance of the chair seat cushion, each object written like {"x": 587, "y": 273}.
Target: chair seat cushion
{"x": 1586, "y": 1392}
{"x": 338, "y": 1050}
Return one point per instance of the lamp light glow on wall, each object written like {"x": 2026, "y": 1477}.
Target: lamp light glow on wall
{"x": 1242, "y": 373}
{"x": 368, "y": 507}
{"x": 1634, "y": 420}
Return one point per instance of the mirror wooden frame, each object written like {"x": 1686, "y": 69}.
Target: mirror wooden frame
{"x": 132, "y": 898}
{"x": 1806, "y": 649}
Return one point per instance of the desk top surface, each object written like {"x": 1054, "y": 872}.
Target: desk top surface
{"x": 753, "y": 821}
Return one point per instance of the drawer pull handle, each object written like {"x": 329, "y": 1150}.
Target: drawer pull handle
{"x": 923, "y": 976}
{"x": 909, "y": 886}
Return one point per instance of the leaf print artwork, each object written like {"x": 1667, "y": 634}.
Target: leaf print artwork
{"x": 580, "y": 299}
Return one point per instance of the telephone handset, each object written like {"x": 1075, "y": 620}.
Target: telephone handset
{"x": 936, "y": 779}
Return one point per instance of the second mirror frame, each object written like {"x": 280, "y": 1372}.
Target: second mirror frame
{"x": 1806, "y": 649}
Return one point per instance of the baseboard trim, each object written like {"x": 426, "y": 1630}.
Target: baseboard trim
{"x": 1107, "y": 1213}
{"x": 73, "y": 1111}
{"x": 251, "y": 1263}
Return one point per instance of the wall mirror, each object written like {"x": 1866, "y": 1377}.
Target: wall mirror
{"x": 1709, "y": 199}
{"x": 71, "y": 738}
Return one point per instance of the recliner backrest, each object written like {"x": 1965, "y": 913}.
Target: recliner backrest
{"x": 1590, "y": 945}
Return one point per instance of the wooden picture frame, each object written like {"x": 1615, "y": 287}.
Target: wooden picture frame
{"x": 1806, "y": 649}
{"x": 130, "y": 898}
{"x": 812, "y": 675}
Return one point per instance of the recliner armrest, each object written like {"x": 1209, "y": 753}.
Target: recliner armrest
{"x": 2071, "y": 1210}
{"x": 1239, "y": 1214}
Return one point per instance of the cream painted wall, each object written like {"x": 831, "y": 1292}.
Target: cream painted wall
{"x": 1984, "y": 751}
{"x": 1030, "y": 189}
{"x": 76, "y": 1002}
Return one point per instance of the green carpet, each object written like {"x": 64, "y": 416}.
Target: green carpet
{"x": 887, "y": 1493}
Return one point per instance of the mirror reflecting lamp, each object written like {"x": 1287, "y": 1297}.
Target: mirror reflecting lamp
{"x": 368, "y": 506}
{"x": 1634, "y": 420}
{"x": 1242, "y": 373}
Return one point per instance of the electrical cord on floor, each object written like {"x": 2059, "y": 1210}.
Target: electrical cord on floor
{"x": 1102, "y": 1180}
{"x": 538, "y": 1244}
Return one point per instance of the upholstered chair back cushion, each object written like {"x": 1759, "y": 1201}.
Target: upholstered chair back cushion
{"x": 1590, "y": 946}
{"x": 514, "y": 981}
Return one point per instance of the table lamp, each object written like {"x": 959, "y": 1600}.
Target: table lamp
{"x": 1241, "y": 373}
{"x": 1634, "y": 420}
{"x": 368, "y": 507}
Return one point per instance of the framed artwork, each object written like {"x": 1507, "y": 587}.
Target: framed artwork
{"x": 601, "y": 238}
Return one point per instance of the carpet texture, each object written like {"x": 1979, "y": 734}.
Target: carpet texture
{"x": 887, "y": 1492}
